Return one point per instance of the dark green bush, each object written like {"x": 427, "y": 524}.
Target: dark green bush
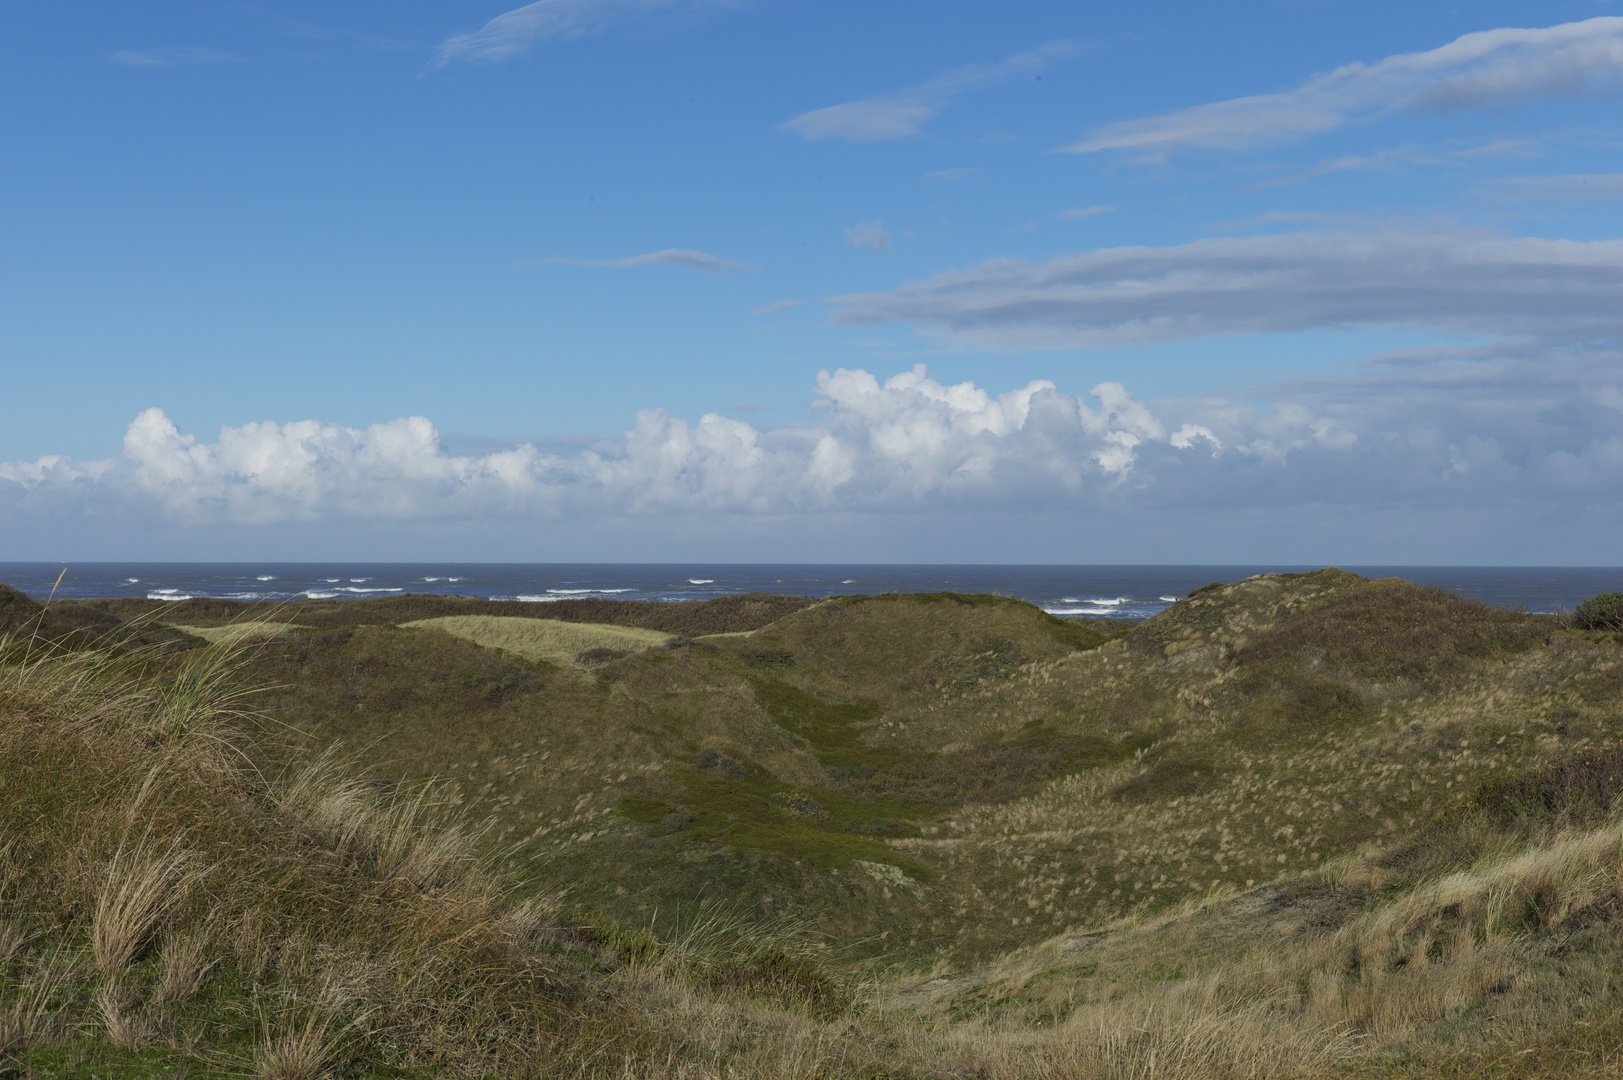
{"x": 1603, "y": 612}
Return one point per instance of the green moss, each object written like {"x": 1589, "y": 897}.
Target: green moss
{"x": 642, "y": 810}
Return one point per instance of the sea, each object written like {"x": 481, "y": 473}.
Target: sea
{"x": 1123, "y": 592}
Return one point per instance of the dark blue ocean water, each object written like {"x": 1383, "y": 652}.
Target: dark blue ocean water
{"x": 1134, "y": 592}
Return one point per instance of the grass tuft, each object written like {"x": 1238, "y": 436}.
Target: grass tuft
{"x": 144, "y": 883}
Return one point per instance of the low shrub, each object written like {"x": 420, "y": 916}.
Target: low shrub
{"x": 1603, "y": 612}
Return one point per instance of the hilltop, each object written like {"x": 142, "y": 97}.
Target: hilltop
{"x": 1344, "y": 814}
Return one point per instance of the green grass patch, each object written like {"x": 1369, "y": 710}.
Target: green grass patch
{"x": 767, "y": 814}
{"x": 830, "y": 728}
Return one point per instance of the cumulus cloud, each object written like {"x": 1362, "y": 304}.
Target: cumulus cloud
{"x": 519, "y": 30}
{"x": 901, "y": 113}
{"x": 1484, "y": 69}
{"x": 1427, "y": 429}
{"x": 174, "y": 56}
{"x": 868, "y": 236}
{"x": 909, "y": 441}
{"x": 1444, "y": 279}
{"x": 692, "y": 260}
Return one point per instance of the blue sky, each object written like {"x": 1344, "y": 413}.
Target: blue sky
{"x": 1309, "y": 281}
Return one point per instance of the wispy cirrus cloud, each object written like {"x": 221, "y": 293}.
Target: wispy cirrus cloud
{"x": 1079, "y": 213}
{"x": 901, "y": 113}
{"x": 1398, "y": 157}
{"x": 1574, "y": 187}
{"x": 684, "y": 257}
{"x": 1441, "y": 278}
{"x": 514, "y": 32}
{"x": 1478, "y": 70}
{"x": 174, "y": 56}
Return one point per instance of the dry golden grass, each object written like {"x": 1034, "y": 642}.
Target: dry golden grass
{"x": 185, "y": 964}
{"x": 1246, "y": 985}
{"x": 124, "y": 1030}
{"x": 145, "y": 882}
{"x": 556, "y": 642}
{"x": 33, "y": 1012}
{"x": 295, "y": 1051}
{"x": 237, "y": 633}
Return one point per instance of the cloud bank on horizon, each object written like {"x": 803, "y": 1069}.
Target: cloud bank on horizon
{"x": 1539, "y": 431}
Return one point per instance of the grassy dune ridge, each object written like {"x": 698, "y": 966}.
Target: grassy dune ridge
{"x": 1300, "y": 825}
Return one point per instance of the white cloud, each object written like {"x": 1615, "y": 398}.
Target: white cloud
{"x": 692, "y": 260}
{"x": 868, "y": 236}
{"x": 1478, "y": 70}
{"x": 1445, "y": 279}
{"x": 902, "y": 113}
{"x": 1498, "y": 432}
{"x": 519, "y": 30}
{"x": 908, "y": 441}
{"x": 776, "y": 305}
{"x": 174, "y": 56}
{"x": 950, "y": 176}
{"x": 1077, "y": 213}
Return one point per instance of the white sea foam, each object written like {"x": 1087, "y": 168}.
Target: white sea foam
{"x": 453, "y": 579}
{"x": 533, "y": 599}
{"x": 579, "y": 592}
{"x": 314, "y": 595}
{"x": 1170, "y": 599}
{"x": 849, "y": 581}
{"x": 346, "y": 588}
{"x": 167, "y": 594}
{"x": 357, "y": 580}
{"x": 1080, "y": 610}
{"x": 433, "y": 579}
{"x": 701, "y": 581}
{"x": 331, "y": 580}
{"x": 1107, "y": 601}
{"x": 264, "y": 577}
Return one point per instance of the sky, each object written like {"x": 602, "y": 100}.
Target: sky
{"x": 1307, "y": 281}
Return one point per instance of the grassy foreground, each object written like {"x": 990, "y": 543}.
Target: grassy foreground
{"x": 1303, "y": 825}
